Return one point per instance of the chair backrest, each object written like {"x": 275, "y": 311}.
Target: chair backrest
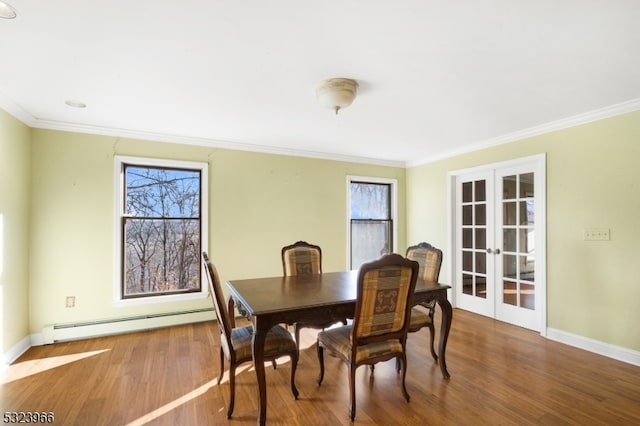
{"x": 384, "y": 299}
{"x": 224, "y": 321}
{"x": 301, "y": 258}
{"x": 429, "y": 258}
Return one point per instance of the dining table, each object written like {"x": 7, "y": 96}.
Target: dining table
{"x": 289, "y": 299}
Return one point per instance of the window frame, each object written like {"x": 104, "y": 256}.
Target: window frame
{"x": 119, "y": 206}
{"x": 393, "y": 199}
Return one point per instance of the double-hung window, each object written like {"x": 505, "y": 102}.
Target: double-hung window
{"x": 372, "y": 209}
{"x": 162, "y": 223}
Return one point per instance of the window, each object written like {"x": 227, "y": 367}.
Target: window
{"x": 161, "y": 229}
{"x": 372, "y": 230}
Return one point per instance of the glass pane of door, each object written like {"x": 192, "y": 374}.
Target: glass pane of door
{"x": 473, "y": 230}
{"x": 518, "y": 240}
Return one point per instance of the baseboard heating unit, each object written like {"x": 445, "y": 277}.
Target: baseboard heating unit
{"x": 83, "y": 330}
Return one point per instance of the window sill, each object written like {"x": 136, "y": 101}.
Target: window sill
{"x": 150, "y": 300}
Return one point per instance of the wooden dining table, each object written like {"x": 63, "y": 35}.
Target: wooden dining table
{"x": 286, "y": 300}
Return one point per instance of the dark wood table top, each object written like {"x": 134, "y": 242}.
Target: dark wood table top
{"x": 272, "y": 294}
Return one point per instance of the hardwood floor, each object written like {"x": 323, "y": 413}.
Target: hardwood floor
{"x": 500, "y": 374}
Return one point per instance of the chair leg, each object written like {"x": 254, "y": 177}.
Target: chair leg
{"x": 296, "y": 332}
{"x": 403, "y": 359}
{"x": 232, "y": 389}
{"x": 352, "y": 391}
{"x": 321, "y": 362}
{"x": 432, "y": 335}
{"x": 221, "y": 365}
{"x": 294, "y": 365}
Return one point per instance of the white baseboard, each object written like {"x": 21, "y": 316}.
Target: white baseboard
{"x": 15, "y": 352}
{"x": 605, "y": 349}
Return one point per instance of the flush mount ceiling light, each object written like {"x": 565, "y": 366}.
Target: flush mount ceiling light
{"x": 7, "y": 11}
{"x": 336, "y": 93}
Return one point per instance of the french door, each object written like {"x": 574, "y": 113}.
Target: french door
{"x": 499, "y": 241}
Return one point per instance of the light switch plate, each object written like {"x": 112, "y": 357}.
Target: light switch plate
{"x": 596, "y": 234}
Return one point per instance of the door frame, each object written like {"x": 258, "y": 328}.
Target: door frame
{"x": 541, "y": 258}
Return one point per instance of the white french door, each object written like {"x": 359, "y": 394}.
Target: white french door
{"x": 499, "y": 241}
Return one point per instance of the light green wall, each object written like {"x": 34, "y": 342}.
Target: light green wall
{"x": 15, "y": 149}
{"x": 593, "y": 180}
{"x": 257, "y": 204}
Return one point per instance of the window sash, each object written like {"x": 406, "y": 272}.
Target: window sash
{"x": 370, "y": 239}
{"x": 163, "y": 271}
{"x": 173, "y": 238}
{"x": 372, "y": 208}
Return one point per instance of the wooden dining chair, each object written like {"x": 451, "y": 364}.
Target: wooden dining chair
{"x": 430, "y": 260}
{"x": 235, "y": 342}
{"x": 380, "y": 324}
{"x": 302, "y": 258}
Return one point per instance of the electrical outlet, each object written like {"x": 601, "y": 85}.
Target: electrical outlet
{"x": 596, "y": 234}
{"x": 71, "y": 301}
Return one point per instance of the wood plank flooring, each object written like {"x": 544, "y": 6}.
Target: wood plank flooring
{"x": 500, "y": 374}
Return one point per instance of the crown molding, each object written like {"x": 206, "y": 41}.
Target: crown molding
{"x": 610, "y": 111}
{"x": 212, "y": 143}
{"x": 576, "y": 120}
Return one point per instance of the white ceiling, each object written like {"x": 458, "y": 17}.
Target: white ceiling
{"x": 435, "y": 77}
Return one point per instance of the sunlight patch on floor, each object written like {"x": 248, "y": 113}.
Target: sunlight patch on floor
{"x": 24, "y": 369}
{"x": 240, "y": 369}
{"x": 160, "y": 411}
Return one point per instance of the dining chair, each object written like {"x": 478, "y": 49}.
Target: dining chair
{"x": 235, "y": 342}
{"x": 430, "y": 260}
{"x": 302, "y": 258}
{"x": 379, "y": 330}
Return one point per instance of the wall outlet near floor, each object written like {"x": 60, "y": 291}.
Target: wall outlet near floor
{"x": 596, "y": 234}
{"x": 71, "y": 301}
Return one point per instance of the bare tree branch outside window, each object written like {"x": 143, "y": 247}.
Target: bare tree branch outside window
{"x": 162, "y": 231}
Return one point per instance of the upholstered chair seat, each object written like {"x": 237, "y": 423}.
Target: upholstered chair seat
{"x": 419, "y": 319}
{"x": 278, "y": 341}
{"x": 340, "y": 340}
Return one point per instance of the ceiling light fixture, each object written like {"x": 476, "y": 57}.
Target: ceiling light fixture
{"x": 336, "y": 93}
{"x": 7, "y": 11}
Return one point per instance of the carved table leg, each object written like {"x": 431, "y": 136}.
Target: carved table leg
{"x": 447, "y": 316}
{"x": 258, "y": 363}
